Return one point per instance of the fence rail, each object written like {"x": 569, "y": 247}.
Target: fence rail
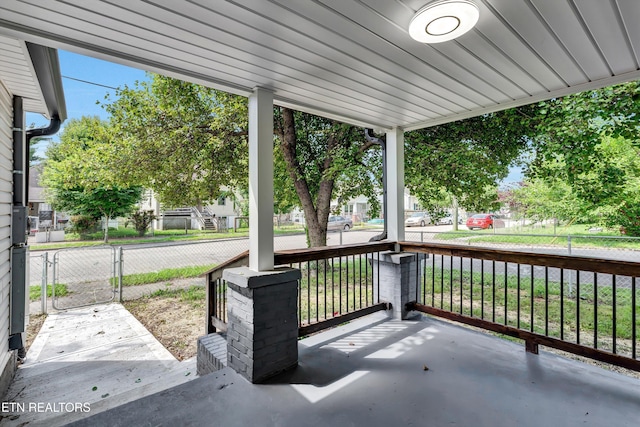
{"x": 583, "y": 305}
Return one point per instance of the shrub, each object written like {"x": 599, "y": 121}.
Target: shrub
{"x": 84, "y": 224}
{"x": 141, "y": 221}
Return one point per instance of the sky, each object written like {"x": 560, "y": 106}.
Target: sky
{"x": 86, "y": 81}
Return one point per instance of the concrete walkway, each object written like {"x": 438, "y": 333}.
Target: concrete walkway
{"x": 88, "y": 360}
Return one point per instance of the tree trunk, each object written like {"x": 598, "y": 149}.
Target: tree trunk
{"x": 106, "y": 229}
{"x": 316, "y": 214}
{"x": 454, "y": 201}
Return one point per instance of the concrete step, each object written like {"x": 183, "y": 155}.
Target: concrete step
{"x": 212, "y": 353}
{"x": 180, "y": 374}
{"x": 101, "y": 356}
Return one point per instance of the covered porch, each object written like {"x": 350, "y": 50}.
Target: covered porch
{"x": 377, "y": 371}
{"x": 355, "y": 62}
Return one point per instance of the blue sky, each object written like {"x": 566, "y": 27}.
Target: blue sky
{"x": 84, "y": 80}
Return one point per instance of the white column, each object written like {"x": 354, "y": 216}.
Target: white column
{"x": 395, "y": 184}
{"x": 261, "y": 180}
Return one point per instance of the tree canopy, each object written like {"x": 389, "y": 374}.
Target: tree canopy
{"x": 466, "y": 159}
{"x": 188, "y": 142}
{"x": 77, "y": 177}
{"x": 585, "y": 157}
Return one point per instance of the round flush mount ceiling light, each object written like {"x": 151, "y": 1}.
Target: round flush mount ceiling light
{"x": 443, "y": 20}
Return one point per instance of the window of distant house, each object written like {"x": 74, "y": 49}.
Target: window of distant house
{"x": 222, "y": 201}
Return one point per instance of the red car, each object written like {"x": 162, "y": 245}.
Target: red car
{"x": 484, "y": 221}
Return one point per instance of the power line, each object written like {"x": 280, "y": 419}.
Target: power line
{"x": 90, "y": 83}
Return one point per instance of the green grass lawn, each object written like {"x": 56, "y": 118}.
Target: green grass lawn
{"x": 125, "y": 236}
{"x": 337, "y": 289}
{"x": 164, "y": 275}
{"x": 35, "y": 292}
{"x": 545, "y": 309}
{"x": 528, "y": 236}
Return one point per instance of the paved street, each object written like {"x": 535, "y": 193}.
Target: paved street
{"x": 92, "y": 268}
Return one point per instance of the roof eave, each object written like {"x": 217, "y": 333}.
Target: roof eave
{"x": 47, "y": 68}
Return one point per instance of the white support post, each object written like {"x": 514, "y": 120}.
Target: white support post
{"x": 395, "y": 184}
{"x": 261, "y": 180}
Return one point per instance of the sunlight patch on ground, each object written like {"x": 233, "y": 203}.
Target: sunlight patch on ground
{"x": 401, "y": 347}
{"x": 365, "y": 338}
{"x": 315, "y": 394}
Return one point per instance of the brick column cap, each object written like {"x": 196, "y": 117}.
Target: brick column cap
{"x": 244, "y": 277}
{"x": 396, "y": 257}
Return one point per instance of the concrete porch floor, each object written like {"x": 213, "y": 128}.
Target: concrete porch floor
{"x": 372, "y": 373}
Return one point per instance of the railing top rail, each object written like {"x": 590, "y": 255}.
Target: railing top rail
{"x": 311, "y": 254}
{"x": 236, "y": 261}
{"x": 492, "y": 233}
{"x": 598, "y": 265}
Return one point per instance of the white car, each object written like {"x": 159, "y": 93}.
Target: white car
{"x": 448, "y": 220}
{"x": 418, "y": 219}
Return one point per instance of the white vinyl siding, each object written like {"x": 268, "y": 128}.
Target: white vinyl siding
{"x": 6, "y": 188}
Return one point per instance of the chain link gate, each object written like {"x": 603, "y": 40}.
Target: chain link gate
{"x": 85, "y": 276}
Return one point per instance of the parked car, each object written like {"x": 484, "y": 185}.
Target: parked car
{"x": 448, "y": 220}
{"x": 484, "y": 221}
{"x": 339, "y": 223}
{"x": 418, "y": 219}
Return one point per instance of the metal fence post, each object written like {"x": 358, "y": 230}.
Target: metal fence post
{"x": 569, "y": 244}
{"x": 120, "y": 267}
{"x": 422, "y": 237}
{"x": 43, "y": 282}
{"x": 340, "y": 237}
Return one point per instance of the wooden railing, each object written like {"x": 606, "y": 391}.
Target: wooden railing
{"x": 337, "y": 285}
{"x": 216, "y": 314}
{"x": 586, "y": 306}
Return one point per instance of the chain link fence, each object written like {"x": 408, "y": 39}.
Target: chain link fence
{"x": 90, "y": 275}
{"x": 77, "y": 277}
{"x": 623, "y": 248}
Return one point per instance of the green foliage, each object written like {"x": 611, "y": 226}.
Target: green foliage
{"x": 184, "y": 141}
{"x": 165, "y": 275}
{"x": 466, "y": 159}
{"x": 188, "y": 143}
{"x": 540, "y": 200}
{"x": 83, "y": 224}
{"x": 570, "y": 128}
{"x": 77, "y": 176}
{"x": 195, "y": 295}
{"x": 324, "y": 161}
{"x": 141, "y": 221}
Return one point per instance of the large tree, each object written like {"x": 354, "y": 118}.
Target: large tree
{"x": 77, "y": 177}
{"x": 589, "y": 142}
{"x": 465, "y": 160}
{"x": 188, "y": 142}
{"x": 571, "y": 128}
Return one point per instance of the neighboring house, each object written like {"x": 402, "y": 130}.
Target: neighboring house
{"x": 29, "y": 81}
{"x": 193, "y": 217}
{"x": 42, "y": 216}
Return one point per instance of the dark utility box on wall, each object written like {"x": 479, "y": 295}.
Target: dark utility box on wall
{"x": 18, "y": 289}
{"x": 19, "y": 225}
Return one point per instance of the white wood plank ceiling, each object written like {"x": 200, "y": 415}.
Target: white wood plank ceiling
{"x": 18, "y": 76}
{"x": 352, "y": 59}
